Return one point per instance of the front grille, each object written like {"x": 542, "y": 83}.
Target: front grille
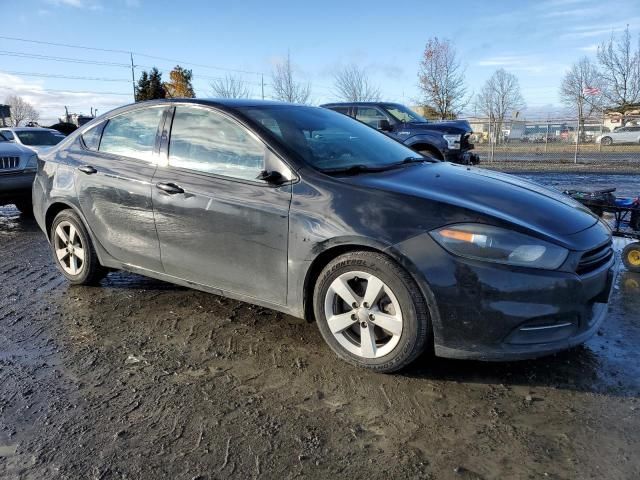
{"x": 8, "y": 163}
{"x": 595, "y": 258}
{"x": 464, "y": 142}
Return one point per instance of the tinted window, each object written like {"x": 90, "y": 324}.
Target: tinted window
{"x": 38, "y": 137}
{"x": 370, "y": 115}
{"x": 132, "y": 134}
{"x": 343, "y": 110}
{"x": 326, "y": 139}
{"x": 206, "y": 141}
{"x": 7, "y": 134}
{"x": 91, "y": 137}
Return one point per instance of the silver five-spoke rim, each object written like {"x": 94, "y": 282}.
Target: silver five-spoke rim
{"x": 69, "y": 249}
{"x": 363, "y": 314}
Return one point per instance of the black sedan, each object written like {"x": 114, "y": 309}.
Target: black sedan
{"x": 309, "y": 212}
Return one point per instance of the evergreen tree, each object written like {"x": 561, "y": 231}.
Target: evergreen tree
{"x": 179, "y": 84}
{"x": 150, "y": 86}
{"x": 143, "y": 87}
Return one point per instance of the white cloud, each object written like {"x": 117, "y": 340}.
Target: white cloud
{"x": 50, "y": 104}
{"x": 84, "y": 4}
{"x": 593, "y": 48}
{"x": 523, "y": 63}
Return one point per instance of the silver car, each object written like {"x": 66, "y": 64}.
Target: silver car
{"x": 17, "y": 170}
{"x": 629, "y": 134}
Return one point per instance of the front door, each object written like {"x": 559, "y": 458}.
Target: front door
{"x": 218, "y": 224}
{"x": 113, "y": 173}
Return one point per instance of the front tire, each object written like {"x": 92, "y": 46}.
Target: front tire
{"x": 73, "y": 251}
{"x": 370, "y": 311}
{"x": 606, "y": 141}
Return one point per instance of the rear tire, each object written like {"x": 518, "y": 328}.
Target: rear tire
{"x": 73, "y": 251}
{"x": 631, "y": 257}
{"x": 606, "y": 141}
{"x": 388, "y": 327}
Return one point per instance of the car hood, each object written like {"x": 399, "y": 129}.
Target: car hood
{"x": 449, "y": 126}
{"x": 501, "y": 196}
{"x": 10, "y": 148}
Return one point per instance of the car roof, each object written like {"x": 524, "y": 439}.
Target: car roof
{"x": 222, "y": 102}
{"x": 363, "y": 104}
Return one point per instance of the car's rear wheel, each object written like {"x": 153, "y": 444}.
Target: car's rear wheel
{"x": 371, "y": 312}
{"x": 631, "y": 257}
{"x": 606, "y": 141}
{"x": 73, "y": 251}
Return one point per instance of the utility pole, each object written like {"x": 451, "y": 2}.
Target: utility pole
{"x": 133, "y": 76}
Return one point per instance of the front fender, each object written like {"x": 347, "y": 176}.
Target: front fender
{"x": 435, "y": 140}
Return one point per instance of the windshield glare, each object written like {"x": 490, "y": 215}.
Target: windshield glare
{"x": 403, "y": 114}
{"x": 39, "y": 138}
{"x": 328, "y": 140}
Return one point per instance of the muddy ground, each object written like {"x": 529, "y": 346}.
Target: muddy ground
{"x": 141, "y": 379}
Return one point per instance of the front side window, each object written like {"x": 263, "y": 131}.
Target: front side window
{"x": 132, "y": 134}
{"x": 370, "y": 116}
{"x": 206, "y": 141}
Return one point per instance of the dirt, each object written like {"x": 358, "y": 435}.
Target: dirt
{"x": 137, "y": 378}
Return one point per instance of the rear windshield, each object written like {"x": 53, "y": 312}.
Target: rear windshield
{"x": 39, "y": 138}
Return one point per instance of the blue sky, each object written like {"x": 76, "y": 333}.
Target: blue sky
{"x": 536, "y": 40}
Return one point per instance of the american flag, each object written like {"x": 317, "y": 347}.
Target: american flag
{"x": 591, "y": 91}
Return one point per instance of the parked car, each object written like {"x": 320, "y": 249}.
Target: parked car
{"x": 17, "y": 171}
{"x": 37, "y": 139}
{"x": 445, "y": 140}
{"x": 312, "y": 213}
{"x": 629, "y": 134}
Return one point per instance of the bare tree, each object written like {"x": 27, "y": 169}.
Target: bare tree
{"x": 620, "y": 68}
{"x": 21, "y": 111}
{"x": 581, "y": 90}
{"x": 441, "y": 79}
{"x": 499, "y": 97}
{"x": 231, "y": 86}
{"x": 285, "y": 87}
{"x": 352, "y": 84}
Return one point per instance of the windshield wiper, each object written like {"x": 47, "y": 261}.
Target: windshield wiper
{"x": 418, "y": 160}
{"x": 355, "y": 169}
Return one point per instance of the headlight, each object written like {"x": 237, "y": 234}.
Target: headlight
{"x": 453, "y": 141}
{"x": 32, "y": 163}
{"x": 495, "y": 244}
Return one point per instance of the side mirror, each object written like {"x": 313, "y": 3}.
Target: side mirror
{"x": 384, "y": 125}
{"x": 273, "y": 177}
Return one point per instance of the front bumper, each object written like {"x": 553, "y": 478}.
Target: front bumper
{"x": 16, "y": 185}
{"x": 496, "y": 312}
{"x": 462, "y": 157}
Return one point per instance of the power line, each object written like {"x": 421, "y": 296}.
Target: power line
{"x": 50, "y": 90}
{"x": 69, "y": 77}
{"x": 8, "y": 53}
{"x": 173, "y": 60}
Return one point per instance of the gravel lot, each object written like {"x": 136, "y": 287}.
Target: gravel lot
{"x": 141, "y": 379}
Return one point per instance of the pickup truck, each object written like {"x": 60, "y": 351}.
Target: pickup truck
{"x": 444, "y": 140}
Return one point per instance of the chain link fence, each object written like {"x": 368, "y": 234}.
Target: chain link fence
{"x": 612, "y": 142}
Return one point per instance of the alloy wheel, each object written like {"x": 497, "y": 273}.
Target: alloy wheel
{"x": 363, "y": 314}
{"x": 69, "y": 249}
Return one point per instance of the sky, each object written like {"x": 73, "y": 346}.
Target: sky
{"x": 536, "y": 40}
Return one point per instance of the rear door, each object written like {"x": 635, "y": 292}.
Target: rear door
{"x": 113, "y": 182}
{"x": 218, "y": 224}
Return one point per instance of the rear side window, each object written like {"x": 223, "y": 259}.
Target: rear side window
{"x": 91, "y": 138}
{"x": 8, "y": 135}
{"x": 132, "y": 134}
{"x": 370, "y": 116}
{"x": 343, "y": 110}
{"x": 206, "y": 141}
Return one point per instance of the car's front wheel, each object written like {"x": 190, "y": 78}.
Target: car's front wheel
{"x": 73, "y": 251}
{"x": 606, "y": 141}
{"x": 371, "y": 312}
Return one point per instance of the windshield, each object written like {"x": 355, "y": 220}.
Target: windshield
{"x": 38, "y": 137}
{"x": 403, "y": 114}
{"x": 328, "y": 140}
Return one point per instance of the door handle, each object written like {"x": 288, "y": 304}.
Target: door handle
{"x": 170, "y": 188}
{"x": 88, "y": 169}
